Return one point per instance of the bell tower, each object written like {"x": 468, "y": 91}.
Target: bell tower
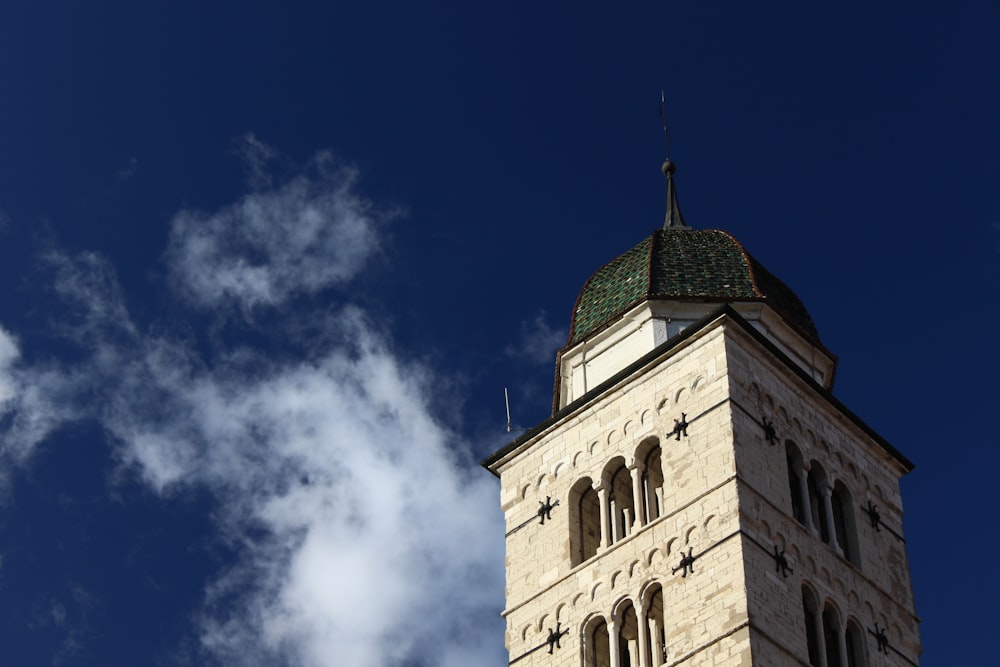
{"x": 699, "y": 496}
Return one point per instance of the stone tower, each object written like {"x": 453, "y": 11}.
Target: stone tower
{"x": 699, "y": 497}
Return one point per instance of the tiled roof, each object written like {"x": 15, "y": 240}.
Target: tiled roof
{"x": 685, "y": 265}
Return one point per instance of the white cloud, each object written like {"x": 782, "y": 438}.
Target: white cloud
{"x": 367, "y": 537}
{"x": 538, "y": 342}
{"x": 9, "y": 353}
{"x": 311, "y": 233}
{"x": 33, "y": 401}
{"x": 378, "y": 539}
{"x": 256, "y": 156}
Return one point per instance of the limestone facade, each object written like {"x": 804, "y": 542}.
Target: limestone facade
{"x": 717, "y": 446}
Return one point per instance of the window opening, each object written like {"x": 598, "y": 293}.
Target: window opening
{"x": 585, "y": 521}
{"x": 628, "y": 637}
{"x": 812, "y": 631}
{"x": 831, "y": 637}
{"x": 653, "y": 484}
{"x": 621, "y": 504}
{"x": 855, "y": 646}
{"x": 817, "y": 504}
{"x": 598, "y": 651}
{"x": 794, "y": 461}
{"x": 657, "y": 644}
{"x": 844, "y": 525}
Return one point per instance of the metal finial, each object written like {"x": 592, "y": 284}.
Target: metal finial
{"x": 673, "y": 218}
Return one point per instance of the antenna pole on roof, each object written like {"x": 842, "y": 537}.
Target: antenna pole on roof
{"x": 506, "y": 401}
{"x": 666, "y": 133}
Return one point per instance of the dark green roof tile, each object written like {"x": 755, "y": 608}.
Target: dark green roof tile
{"x": 695, "y": 265}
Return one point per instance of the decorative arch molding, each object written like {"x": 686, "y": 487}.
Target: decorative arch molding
{"x": 671, "y": 543}
{"x": 540, "y": 624}
{"x": 651, "y": 556}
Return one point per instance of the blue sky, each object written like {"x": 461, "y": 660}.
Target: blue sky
{"x": 267, "y": 270}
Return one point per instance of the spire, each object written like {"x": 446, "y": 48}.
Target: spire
{"x": 673, "y": 218}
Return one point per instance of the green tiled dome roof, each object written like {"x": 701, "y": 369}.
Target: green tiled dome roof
{"x": 682, "y": 265}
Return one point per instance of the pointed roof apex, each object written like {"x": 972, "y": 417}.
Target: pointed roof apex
{"x": 672, "y": 219}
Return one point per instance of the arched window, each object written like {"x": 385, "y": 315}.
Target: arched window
{"x": 843, "y": 523}
{"x": 795, "y": 486}
{"x": 621, "y": 504}
{"x": 813, "y": 630}
{"x": 652, "y": 478}
{"x": 628, "y": 636}
{"x": 831, "y": 637}
{"x": 855, "y": 645}
{"x": 584, "y": 521}
{"x": 657, "y": 642}
{"x": 597, "y": 649}
{"x": 816, "y": 481}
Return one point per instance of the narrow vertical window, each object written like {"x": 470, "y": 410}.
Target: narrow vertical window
{"x": 831, "y": 637}
{"x": 654, "y": 625}
{"x": 813, "y": 637}
{"x": 652, "y": 483}
{"x": 855, "y": 645}
{"x": 843, "y": 523}
{"x": 628, "y": 637}
{"x": 817, "y": 504}
{"x": 794, "y": 461}
{"x": 584, "y": 521}
{"x": 621, "y": 504}
{"x": 597, "y": 652}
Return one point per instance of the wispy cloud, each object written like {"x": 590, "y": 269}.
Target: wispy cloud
{"x": 367, "y": 537}
{"x": 34, "y": 400}
{"x": 257, "y": 157}
{"x": 538, "y": 341}
{"x": 9, "y": 354}
{"x": 309, "y": 234}
{"x": 128, "y": 171}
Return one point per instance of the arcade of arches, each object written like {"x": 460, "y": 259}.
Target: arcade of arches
{"x": 632, "y": 635}
{"x": 626, "y": 498}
